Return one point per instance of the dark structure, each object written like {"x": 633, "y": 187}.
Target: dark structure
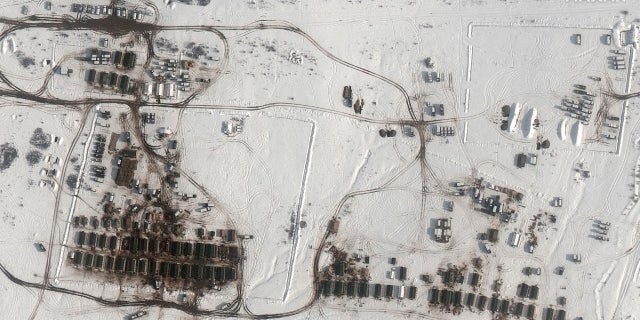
{"x": 482, "y": 303}
{"x": 81, "y": 238}
{"x": 474, "y": 279}
{"x": 413, "y": 292}
{"x": 127, "y": 169}
{"x": 388, "y": 292}
{"x": 523, "y": 290}
{"x": 504, "y": 307}
{"x": 518, "y": 309}
{"x": 533, "y": 292}
{"x": 334, "y": 225}
{"x": 561, "y": 315}
{"x": 340, "y": 267}
{"x": 113, "y": 79}
{"x": 377, "y": 291}
{"x": 402, "y": 273}
{"x": 117, "y": 58}
{"x": 493, "y": 304}
{"x": 91, "y": 76}
{"x": 471, "y": 299}
{"x": 493, "y": 235}
{"x": 531, "y": 311}
{"x": 124, "y": 83}
{"x": 547, "y": 314}
{"x": 113, "y": 141}
{"x": 129, "y": 60}
{"x": 434, "y": 295}
{"x": 363, "y": 290}
{"x": 521, "y": 160}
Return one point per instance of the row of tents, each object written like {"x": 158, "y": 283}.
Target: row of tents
{"x": 108, "y": 79}
{"x": 141, "y": 245}
{"x": 446, "y": 298}
{"x": 143, "y": 266}
{"x": 364, "y": 289}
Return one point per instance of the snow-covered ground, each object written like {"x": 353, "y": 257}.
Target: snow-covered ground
{"x": 505, "y": 73}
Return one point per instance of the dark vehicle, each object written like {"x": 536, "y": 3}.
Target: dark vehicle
{"x": 41, "y": 247}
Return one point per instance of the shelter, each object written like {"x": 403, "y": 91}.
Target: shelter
{"x": 124, "y": 83}
{"x": 91, "y": 76}
{"x": 363, "y": 290}
{"x": 129, "y": 60}
{"x": 521, "y": 160}
{"x": 113, "y": 141}
{"x": 434, "y": 295}
{"x": 533, "y": 292}
{"x": 126, "y": 171}
{"x": 471, "y": 299}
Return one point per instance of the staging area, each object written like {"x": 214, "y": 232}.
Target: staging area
{"x": 265, "y": 159}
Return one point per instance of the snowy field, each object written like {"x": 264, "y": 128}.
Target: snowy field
{"x": 493, "y": 142}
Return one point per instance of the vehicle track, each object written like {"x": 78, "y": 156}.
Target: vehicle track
{"x": 56, "y": 207}
{"x": 117, "y": 27}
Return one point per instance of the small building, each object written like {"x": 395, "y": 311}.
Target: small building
{"x": 113, "y": 142}
{"x": 515, "y": 239}
{"x": 493, "y": 304}
{"x": 388, "y": 292}
{"x": 113, "y": 79}
{"x": 340, "y": 267}
{"x": 482, "y": 303}
{"x": 531, "y": 311}
{"x": 148, "y": 89}
{"x": 104, "y": 78}
{"x": 402, "y": 273}
{"x": 533, "y": 292}
{"x": 523, "y": 290}
{"x": 327, "y": 287}
{"x": 124, "y": 83}
{"x": 334, "y": 225}
{"x": 413, "y": 292}
{"x": 81, "y": 238}
{"x": 474, "y": 279}
{"x": 547, "y": 314}
{"x": 504, "y": 307}
{"x": 129, "y": 60}
{"x": 561, "y": 314}
{"x": 126, "y": 172}
{"x": 471, "y": 299}
{"x": 457, "y": 298}
{"x": 363, "y": 289}
{"x": 402, "y": 290}
{"x": 128, "y": 153}
{"x": 117, "y": 58}
{"x": 521, "y": 160}
{"x": 377, "y": 291}
{"x": 339, "y": 290}
{"x": 91, "y": 76}
{"x": 434, "y": 296}
{"x": 493, "y": 235}
{"x": 159, "y": 90}
{"x": 446, "y": 296}
{"x": 442, "y": 231}
{"x": 88, "y": 261}
{"x": 170, "y": 89}
{"x": 352, "y": 288}
{"x": 518, "y": 308}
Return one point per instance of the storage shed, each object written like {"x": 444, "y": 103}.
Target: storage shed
{"x": 363, "y": 290}
{"x": 521, "y": 160}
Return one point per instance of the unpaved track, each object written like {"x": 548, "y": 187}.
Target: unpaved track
{"x": 114, "y": 26}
